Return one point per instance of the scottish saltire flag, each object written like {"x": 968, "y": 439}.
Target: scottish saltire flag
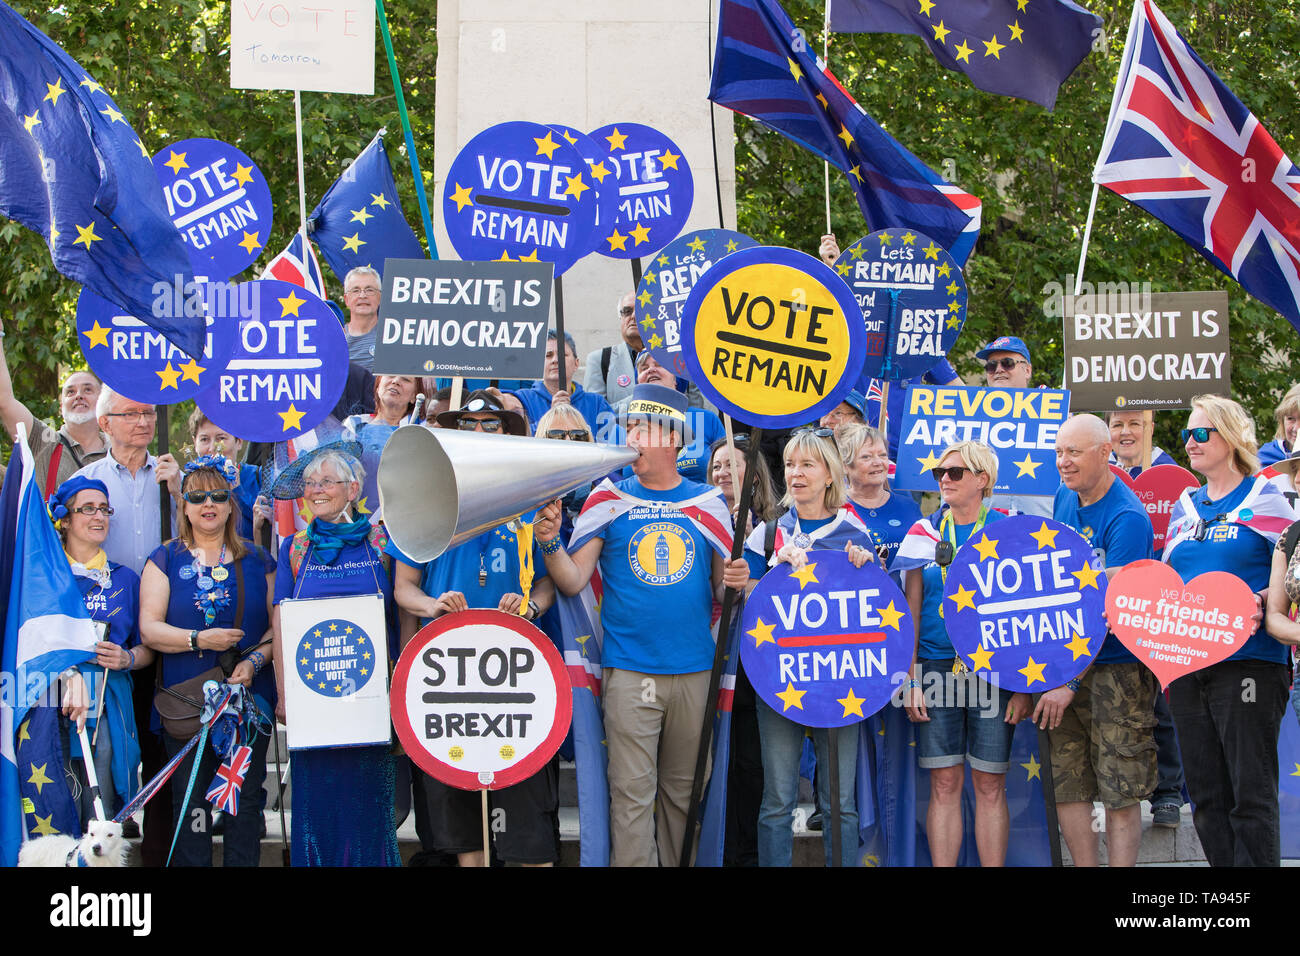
{"x": 759, "y": 70}
{"x": 1266, "y": 510}
{"x": 582, "y": 638}
{"x": 224, "y": 792}
{"x": 1181, "y": 146}
{"x": 46, "y": 630}
{"x": 1008, "y": 47}
{"x": 292, "y": 265}
{"x": 72, "y": 169}
{"x": 707, "y": 512}
{"x": 359, "y": 220}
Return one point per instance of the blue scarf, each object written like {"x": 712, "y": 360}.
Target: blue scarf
{"x": 328, "y": 539}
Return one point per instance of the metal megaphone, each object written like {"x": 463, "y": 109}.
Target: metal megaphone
{"x": 441, "y": 487}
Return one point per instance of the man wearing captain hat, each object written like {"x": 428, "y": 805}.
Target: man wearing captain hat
{"x": 660, "y": 541}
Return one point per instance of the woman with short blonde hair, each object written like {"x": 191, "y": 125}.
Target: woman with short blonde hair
{"x": 804, "y": 441}
{"x": 865, "y": 452}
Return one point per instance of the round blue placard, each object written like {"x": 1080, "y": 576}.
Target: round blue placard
{"x": 668, "y": 280}
{"x": 219, "y": 201}
{"x": 519, "y": 191}
{"x": 655, "y": 189}
{"x": 911, "y": 269}
{"x": 138, "y": 361}
{"x": 829, "y": 644}
{"x": 288, "y": 367}
{"x": 336, "y": 658}
{"x": 1023, "y": 603}
{"x": 601, "y": 180}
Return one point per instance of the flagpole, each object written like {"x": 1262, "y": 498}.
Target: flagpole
{"x": 826, "y": 59}
{"x": 406, "y": 132}
{"x": 302, "y": 179}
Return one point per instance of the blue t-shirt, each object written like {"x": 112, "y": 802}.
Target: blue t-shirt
{"x": 1119, "y": 530}
{"x": 495, "y": 553}
{"x": 657, "y": 572}
{"x": 246, "y": 492}
{"x": 935, "y": 645}
{"x": 1236, "y": 549}
{"x": 373, "y": 434}
{"x": 537, "y": 402}
{"x": 891, "y": 521}
{"x": 117, "y": 605}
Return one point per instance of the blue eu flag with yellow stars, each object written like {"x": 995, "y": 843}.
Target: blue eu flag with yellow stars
{"x": 1023, "y": 48}
{"x": 762, "y": 68}
{"x": 359, "y": 221}
{"x": 72, "y": 169}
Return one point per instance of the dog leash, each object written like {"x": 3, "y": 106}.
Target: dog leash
{"x": 194, "y": 772}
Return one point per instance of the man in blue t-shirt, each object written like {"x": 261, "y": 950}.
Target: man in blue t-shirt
{"x": 658, "y": 539}
{"x": 544, "y": 393}
{"x": 1100, "y": 723}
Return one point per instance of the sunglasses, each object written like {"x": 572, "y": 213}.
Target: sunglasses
{"x": 1007, "y": 362}
{"x": 954, "y": 472}
{"x": 219, "y": 496}
{"x": 626, "y": 311}
{"x": 89, "y": 510}
{"x": 486, "y": 424}
{"x": 572, "y": 434}
{"x": 817, "y": 431}
{"x": 1201, "y": 434}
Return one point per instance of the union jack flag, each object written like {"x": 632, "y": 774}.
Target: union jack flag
{"x": 1181, "y": 146}
{"x": 224, "y": 792}
{"x": 292, "y": 266}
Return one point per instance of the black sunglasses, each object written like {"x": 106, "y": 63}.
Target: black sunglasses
{"x": 817, "y": 430}
{"x": 1007, "y": 362}
{"x": 573, "y": 434}
{"x": 1200, "y": 433}
{"x": 954, "y": 472}
{"x": 220, "y": 496}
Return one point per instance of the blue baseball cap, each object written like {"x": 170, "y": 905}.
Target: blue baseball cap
{"x": 858, "y": 401}
{"x": 1005, "y": 343}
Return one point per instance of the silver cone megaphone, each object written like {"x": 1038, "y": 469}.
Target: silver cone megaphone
{"x": 440, "y": 487}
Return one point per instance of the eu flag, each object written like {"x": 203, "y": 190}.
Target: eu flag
{"x": 72, "y": 169}
{"x": 759, "y": 70}
{"x": 359, "y": 221}
{"x": 1011, "y": 47}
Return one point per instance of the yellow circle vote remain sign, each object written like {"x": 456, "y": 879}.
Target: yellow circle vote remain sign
{"x": 774, "y": 337}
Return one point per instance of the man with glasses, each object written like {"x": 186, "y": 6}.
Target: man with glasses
{"x": 1100, "y": 724}
{"x": 362, "y": 288}
{"x": 611, "y": 371}
{"x": 1007, "y": 365}
{"x": 484, "y": 572}
{"x": 538, "y": 399}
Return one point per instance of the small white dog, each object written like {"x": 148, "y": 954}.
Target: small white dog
{"x": 101, "y": 846}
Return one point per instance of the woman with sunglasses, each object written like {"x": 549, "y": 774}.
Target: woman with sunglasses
{"x": 342, "y": 796}
{"x": 563, "y": 422}
{"x": 205, "y": 606}
{"x": 81, "y": 513}
{"x": 1228, "y": 737}
{"x": 866, "y": 462}
{"x": 394, "y": 402}
{"x": 818, "y": 519}
{"x": 955, "y": 723}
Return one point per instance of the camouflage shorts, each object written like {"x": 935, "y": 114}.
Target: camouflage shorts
{"x": 1105, "y": 748}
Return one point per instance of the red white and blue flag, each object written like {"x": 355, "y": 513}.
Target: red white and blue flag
{"x": 1265, "y": 510}
{"x": 1181, "y": 146}
{"x": 293, "y": 266}
{"x": 707, "y": 512}
{"x": 224, "y": 792}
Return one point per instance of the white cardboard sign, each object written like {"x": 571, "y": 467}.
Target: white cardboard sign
{"x": 322, "y": 45}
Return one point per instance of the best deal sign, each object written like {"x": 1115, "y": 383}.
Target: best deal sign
{"x": 481, "y": 699}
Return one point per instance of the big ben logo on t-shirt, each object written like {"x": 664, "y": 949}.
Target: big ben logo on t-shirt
{"x": 661, "y": 553}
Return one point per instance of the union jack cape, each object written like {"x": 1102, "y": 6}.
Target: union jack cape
{"x": 707, "y": 512}
{"x": 1265, "y": 510}
{"x": 845, "y": 527}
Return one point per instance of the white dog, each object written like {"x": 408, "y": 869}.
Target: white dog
{"x": 101, "y": 846}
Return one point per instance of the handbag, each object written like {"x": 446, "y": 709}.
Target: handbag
{"x": 181, "y": 705}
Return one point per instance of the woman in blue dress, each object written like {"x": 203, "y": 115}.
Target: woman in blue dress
{"x": 81, "y": 513}
{"x": 342, "y": 796}
{"x": 205, "y": 605}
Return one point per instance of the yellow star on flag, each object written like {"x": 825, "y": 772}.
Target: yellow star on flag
{"x": 1021, "y": 4}
{"x": 791, "y": 697}
{"x": 293, "y": 414}
{"x": 964, "y": 597}
{"x": 33, "y": 120}
{"x": 1027, "y": 467}
{"x": 91, "y": 85}
{"x": 599, "y": 172}
{"x": 354, "y": 242}
{"x": 927, "y": 463}
{"x": 546, "y": 145}
{"x": 170, "y": 376}
{"x": 1078, "y": 646}
{"x": 143, "y": 152}
{"x": 113, "y": 115}
{"x": 926, "y": 6}
{"x": 55, "y": 91}
{"x": 852, "y": 704}
{"x": 941, "y": 32}
{"x": 1032, "y": 767}
{"x": 1033, "y": 672}
{"x": 856, "y": 172}
{"x": 980, "y": 659}
{"x": 363, "y": 215}
{"x": 794, "y": 69}
{"x": 43, "y": 826}
{"x": 380, "y": 200}
{"x": 762, "y": 633}
{"x": 97, "y": 334}
{"x": 845, "y": 135}
{"x": 461, "y": 197}
{"x": 22, "y": 731}
{"x": 987, "y": 549}
{"x": 251, "y": 241}
{"x": 87, "y": 235}
{"x": 38, "y": 777}
{"x": 669, "y": 159}
{"x": 176, "y": 162}
{"x": 805, "y": 575}
{"x": 964, "y": 52}
{"x": 696, "y": 245}
{"x": 531, "y": 257}
{"x": 890, "y": 616}
{"x": 1296, "y": 771}
{"x": 290, "y": 304}
{"x": 616, "y": 139}
{"x": 616, "y": 240}
{"x": 931, "y": 251}
{"x": 1087, "y": 577}
{"x": 1045, "y": 536}
{"x": 1016, "y": 31}
{"x": 363, "y": 505}
{"x": 640, "y": 234}
{"x": 242, "y": 174}
{"x": 993, "y": 48}
{"x": 576, "y": 186}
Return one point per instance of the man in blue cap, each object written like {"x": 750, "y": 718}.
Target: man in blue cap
{"x": 1007, "y": 365}
{"x": 651, "y": 536}
{"x": 852, "y": 409}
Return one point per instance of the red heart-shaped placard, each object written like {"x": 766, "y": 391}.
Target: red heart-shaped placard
{"x": 1175, "y": 628}
{"x": 1158, "y": 488}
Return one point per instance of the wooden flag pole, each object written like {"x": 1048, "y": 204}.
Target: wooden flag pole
{"x": 561, "y": 350}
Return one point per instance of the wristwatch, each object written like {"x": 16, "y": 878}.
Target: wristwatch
{"x": 534, "y": 610}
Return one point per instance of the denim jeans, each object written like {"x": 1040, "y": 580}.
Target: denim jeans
{"x": 1228, "y": 717}
{"x": 782, "y": 742}
{"x": 241, "y": 839}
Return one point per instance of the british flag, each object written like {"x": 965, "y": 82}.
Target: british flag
{"x": 224, "y": 792}
{"x": 1181, "y": 146}
{"x": 292, "y": 266}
